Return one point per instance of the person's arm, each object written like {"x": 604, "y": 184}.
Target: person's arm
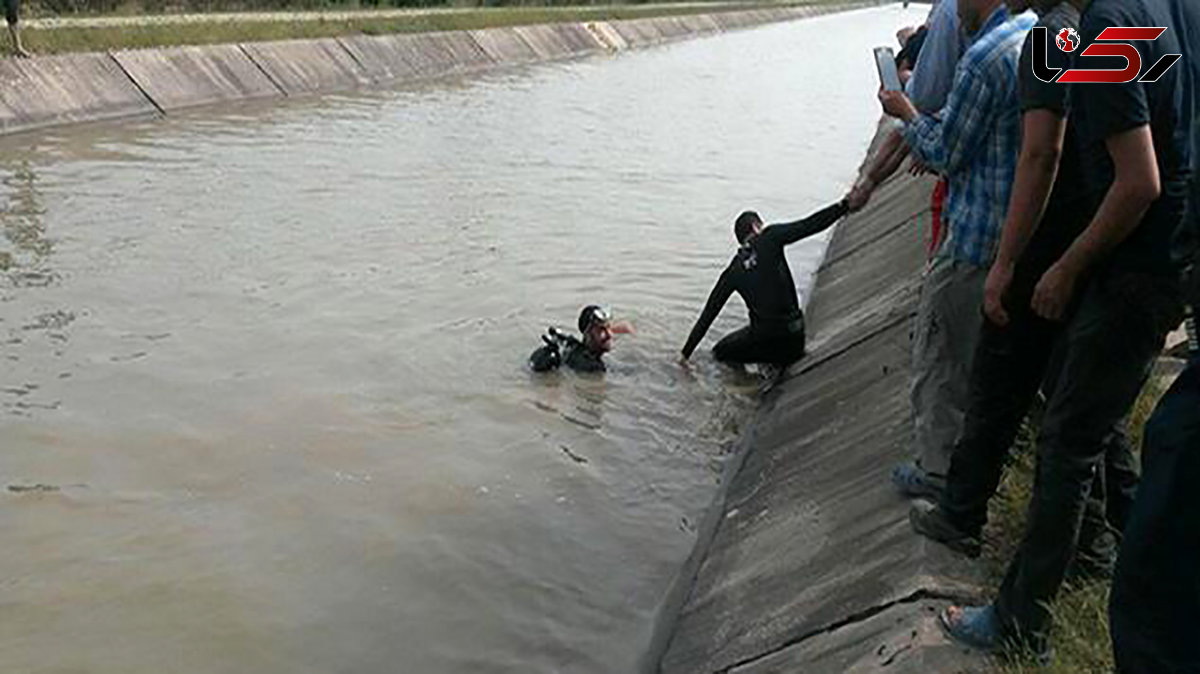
{"x": 790, "y": 232}
{"x": 950, "y": 143}
{"x": 1134, "y": 188}
{"x": 1117, "y": 115}
{"x": 933, "y": 73}
{"x": 1042, "y": 133}
{"x": 880, "y": 166}
{"x": 716, "y": 301}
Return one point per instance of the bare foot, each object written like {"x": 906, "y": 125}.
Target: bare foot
{"x": 952, "y": 616}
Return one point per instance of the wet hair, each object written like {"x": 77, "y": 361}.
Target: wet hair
{"x": 743, "y": 227}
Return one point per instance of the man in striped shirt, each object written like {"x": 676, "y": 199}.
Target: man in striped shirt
{"x": 974, "y": 142}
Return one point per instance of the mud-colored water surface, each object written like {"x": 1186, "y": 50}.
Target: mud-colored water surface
{"x": 263, "y": 403}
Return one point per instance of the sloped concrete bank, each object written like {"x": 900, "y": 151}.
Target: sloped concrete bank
{"x": 55, "y": 90}
{"x": 806, "y": 562}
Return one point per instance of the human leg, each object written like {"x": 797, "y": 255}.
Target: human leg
{"x": 1156, "y": 589}
{"x": 12, "y": 17}
{"x": 746, "y": 346}
{"x": 948, "y": 327}
{"x": 1121, "y": 477}
{"x": 1008, "y": 366}
{"x": 735, "y": 348}
{"x": 1109, "y": 343}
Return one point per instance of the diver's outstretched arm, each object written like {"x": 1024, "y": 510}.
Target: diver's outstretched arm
{"x": 716, "y": 301}
{"x": 790, "y": 232}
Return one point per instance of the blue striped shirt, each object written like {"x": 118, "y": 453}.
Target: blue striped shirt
{"x": 976, "y": 138}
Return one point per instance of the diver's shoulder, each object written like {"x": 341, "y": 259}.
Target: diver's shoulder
{"x": 581, "y": 359}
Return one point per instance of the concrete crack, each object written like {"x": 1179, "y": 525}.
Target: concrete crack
{"x": 860, "y": 616}
{"x": 137, "y": 85}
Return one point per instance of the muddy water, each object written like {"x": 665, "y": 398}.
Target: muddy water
{"x": 263, "y": 405}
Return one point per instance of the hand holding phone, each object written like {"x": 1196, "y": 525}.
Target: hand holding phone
{"x": 885, "y": 62}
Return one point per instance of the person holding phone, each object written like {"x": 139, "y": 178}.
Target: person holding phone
{"x": 974, "y": 144}
{"x": 885, "y": 62}
{"x": 927, "y": 80}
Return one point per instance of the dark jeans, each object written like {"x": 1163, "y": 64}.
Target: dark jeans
{"x": 1108, "y": 346}
{"x": 10, "y": 11}
{"x": 750, "y": 345}
{"x": 1154, "y": 610}
{"x": 1010, "y": 364}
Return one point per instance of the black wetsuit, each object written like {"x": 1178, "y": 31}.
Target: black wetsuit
{"x": 561, "y": 349}
{"x": 759, "y": 272}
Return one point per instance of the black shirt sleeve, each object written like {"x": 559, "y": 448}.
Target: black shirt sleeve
{"x": 1034, "y": 93}
{"x": 1106, "y": 109}
{"x": 716, "y": 301}
{"x": 790, "y": 232}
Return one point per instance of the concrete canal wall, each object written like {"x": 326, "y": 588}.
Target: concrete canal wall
{"x": 54, "y": 90}
{"x": 806, "y": 562}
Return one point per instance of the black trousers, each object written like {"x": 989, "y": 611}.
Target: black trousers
{"x": 1010, "y": 365}
{"x": 1108, "y": 346}
{"x": 10, "y": 11}
{"x": 751, "y": 345}
{"x": 1154, "y": 609}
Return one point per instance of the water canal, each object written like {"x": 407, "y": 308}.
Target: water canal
{"x": 263, "y": 405}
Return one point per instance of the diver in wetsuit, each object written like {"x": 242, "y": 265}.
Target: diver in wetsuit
{"x": 759, "y": 272}
{"x": 581, "y": 355}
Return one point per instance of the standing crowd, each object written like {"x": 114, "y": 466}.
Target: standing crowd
{"x": 1065, "y": 227}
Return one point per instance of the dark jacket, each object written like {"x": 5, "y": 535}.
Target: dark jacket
{"x": 759, "y": 272}
{"x": 562, "y": 349}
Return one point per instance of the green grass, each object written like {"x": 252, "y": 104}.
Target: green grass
{"x": 1080, "y": 637}
{"x": 105, "y": 8}
{"x": 78, "y": 39}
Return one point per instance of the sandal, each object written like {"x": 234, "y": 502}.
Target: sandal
{"x": 975, "y": 626}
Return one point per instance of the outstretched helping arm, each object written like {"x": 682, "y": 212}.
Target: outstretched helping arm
{"x": 716, "y": 301}
{"x": 791, "y": 232}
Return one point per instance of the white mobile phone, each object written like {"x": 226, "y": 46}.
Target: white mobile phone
{"x": 885, "y": 61}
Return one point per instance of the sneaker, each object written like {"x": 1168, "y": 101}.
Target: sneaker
{"x": 928, "y": 520}
{"x": 914, "y": 482}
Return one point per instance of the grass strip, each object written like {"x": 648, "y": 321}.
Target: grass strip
{"x": 159, "y": 34}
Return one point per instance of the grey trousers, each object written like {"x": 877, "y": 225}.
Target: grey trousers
{"x": 947, "y": 329}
